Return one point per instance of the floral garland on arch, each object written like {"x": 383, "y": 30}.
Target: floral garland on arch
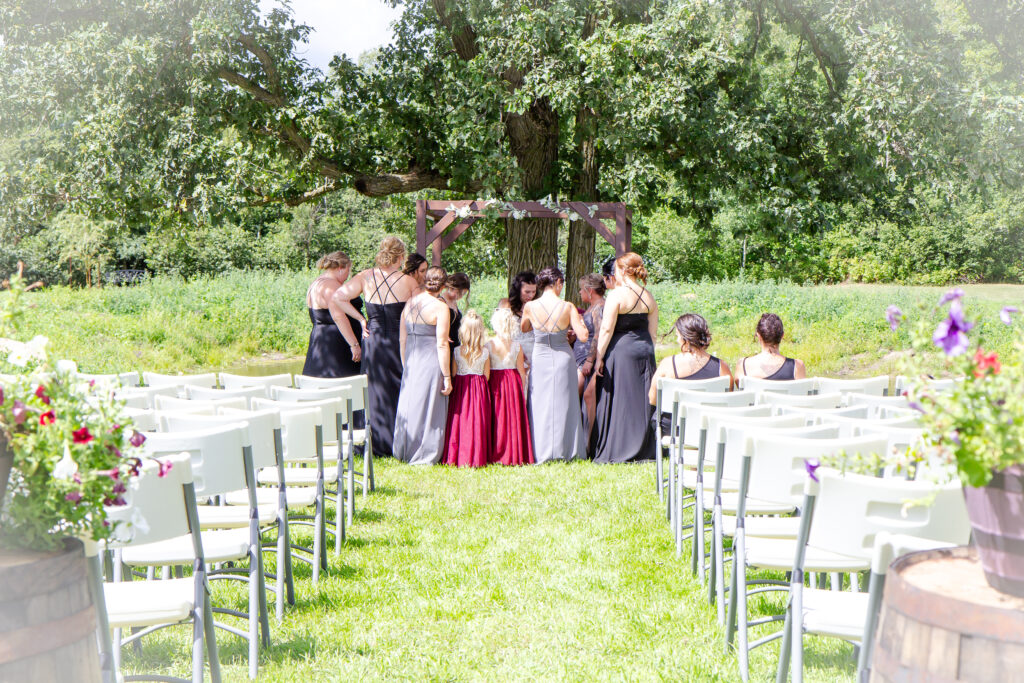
{"x": 71, "y": 449}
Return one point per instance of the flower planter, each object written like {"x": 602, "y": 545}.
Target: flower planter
{"x": 6, "y": 461}
{"x": 997, "y": 519}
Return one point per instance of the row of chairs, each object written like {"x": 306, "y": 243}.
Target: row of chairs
{"x": 743, "y": 461}
{"x": 249, "y": 464}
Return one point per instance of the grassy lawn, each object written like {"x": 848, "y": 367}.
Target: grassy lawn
{"x": 556, "y": 572}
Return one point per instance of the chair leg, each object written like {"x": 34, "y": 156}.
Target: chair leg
{"x": 797, "y": 629}
{"x": 350, "y": 494}
{"x": 670, "y": 486}
{"x": 679, "y": 509}
{"x": 340, "y": 512}
{"x": 782, "y": 673}
{"x": 658, "y": 470}
{"x": 697, "y": 547}
{"x": 254, "y": 621}
{"x": 282, "y": 569}
{"x": 366, "y": 474}
{"x": 719, "y": 543}
{"x": 198, "y": 641}
{"x": 318, "y": 537}
{"x": 94, "y": 571}
{"x": 289, "y": 569}
{"x": 211, "y": 638}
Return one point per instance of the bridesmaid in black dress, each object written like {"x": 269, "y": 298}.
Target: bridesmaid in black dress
{"x": 386, "y": 289}
{"x": 770, "y": 363}
{"x": 334, "y": 349}
{"x": 692, "y": 362}
{"x": 625, "y": 367}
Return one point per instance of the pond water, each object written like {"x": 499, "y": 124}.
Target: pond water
{"x": 268, "y": 367}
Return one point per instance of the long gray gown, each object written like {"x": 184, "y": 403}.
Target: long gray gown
{"x": 422, "y": 410}
{"x": 554, "y": 405}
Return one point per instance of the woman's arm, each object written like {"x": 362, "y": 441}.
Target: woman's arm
{"x": 444, "y": 356}
{"x": 487, "y": 367}
{"x": 344, "y": 326}
{"x": 527, "y": 322}
{"x": 652, "y": 319}
{"x": 740, "y": 369}
{"x": 724, "y": 371}
{"x": 799, "y": 371}
{"x": 609, "y": 316}
{"x": 521, "y": 366}
{"x": 342, "y": 298}
{"x": 652, "y": 395}
{"x": 576, "y": 321}
{"x": 402, "y": 334}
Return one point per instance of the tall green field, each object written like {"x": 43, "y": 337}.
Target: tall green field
{"x": 168, "y": 324}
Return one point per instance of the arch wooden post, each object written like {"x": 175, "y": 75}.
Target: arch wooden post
{"x": 440, "y": 223}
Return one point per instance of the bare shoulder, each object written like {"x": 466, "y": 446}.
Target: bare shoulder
{"x": 739, "y": 367}
{"x": 504, "y": 303}
{"x": 799, "y": 370}
{"x": 723, "y": 369}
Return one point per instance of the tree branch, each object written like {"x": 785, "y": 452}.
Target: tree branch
{"x": 462, "y": 33}
{"x": 826, "y": 63}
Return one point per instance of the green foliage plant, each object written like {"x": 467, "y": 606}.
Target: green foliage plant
{"x": 71, "y": 445}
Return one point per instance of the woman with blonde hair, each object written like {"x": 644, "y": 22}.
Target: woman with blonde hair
{"x": 329, "y": 353}
{"x": 510, "y": 434}
{"x": 426, "y": 374}
{"x": 467, "y": 441}
{"x": 625, "y": 366}
{"x": 386, "y": 289}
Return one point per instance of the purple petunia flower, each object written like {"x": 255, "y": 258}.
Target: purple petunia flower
{"x": 1006, "y": 313}
{"x": 914, "y": 405}
{"x": 894, "y": 316}
{"x": 74, "y": 497}
{"x": 954, "y": 436}
{"x": 951, "y": 295}
{"x": 951, "y": 332}
{"x": 1, "y": 395}
{"x": 165, "y": 467}
{"x": 137, "y": 439}
{"x": 812, "y": 467}
{"x": 20, "y": 412}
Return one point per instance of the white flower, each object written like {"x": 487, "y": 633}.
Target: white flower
{"x": 463, "y": 211}
{"x": 37, "y": 345}
{"x": 19, "y": 357}
{"x": 66, "y": 466}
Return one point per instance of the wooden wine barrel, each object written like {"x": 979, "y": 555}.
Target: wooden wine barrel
{"x": 47, "y": 619}
{"x": 941, "y": 621}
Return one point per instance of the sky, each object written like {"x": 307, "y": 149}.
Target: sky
{"x": 340, "y": 26}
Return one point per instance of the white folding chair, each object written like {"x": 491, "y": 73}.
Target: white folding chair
{"x": 665, "y": 403}
{"x": 843, "y": 515}
{"x": 877, "y": 404}
{"x": 143, "y": 420}
{"x": 230, "y": 381}
{"x": 221, "y": 463}
{"x": 783, "y": 401}
{"x": 175, "y": 404}
{"x": 166, "y": 505}
{"x": 206, "y": 394}
{"x": 304, "y": 425}
{"x": 263, "y": 437}
{"x": 904, "y": 384}
{"x": 876, "y": 386}
{"x": 774, "y": 469}
{"x": 179, "y": 382}
{"x": 796, "y": 387}
{"x": 142, "y": 397}
{"x": 119, "y": 379}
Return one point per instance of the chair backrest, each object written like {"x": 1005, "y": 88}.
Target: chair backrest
{"x": 778, "y": 463}
{"x": 877, "y": 386}
{"x": 904, "y": 384}
{"x": 690, "y": 403}
{"x": 218, "y": 465}
{"x": 877, "y": 403}
{"x": 815, "y": 415}
{"x": 260, "y": 426}
{"x": 298, "y": 426}
{"x": 119, "y": 379}
{"x": 156, "y": 379}
{"x": 669, "y": 386}
{"x": 156, "y": 504}
{"x": 229, "y": 381}
{"x": 698, "y": 419}
{"x": 852, "y": 509}
{"x": 356, "y": 384}
{"x": 732, "y": 433}
{"x": 780, "y": 401}
{"x": 142, "y": 419}
{"x": 206, "y": 394}
{"x": 851, "y": 425}
{"x": 798, "y": 387}
{"x": 173, "y": 403}
{"x": 142, "y": 397}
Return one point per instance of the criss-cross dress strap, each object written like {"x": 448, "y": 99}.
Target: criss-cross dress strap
{"x": 417, "y": 311}
{"x": 384, "y": 282}
{"x": 543, "y": 327}
{"x": 639, "y": 298}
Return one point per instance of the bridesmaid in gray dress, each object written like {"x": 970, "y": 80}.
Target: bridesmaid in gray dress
{"x": 554, "y": 406}
{"x": 426, "y": 375}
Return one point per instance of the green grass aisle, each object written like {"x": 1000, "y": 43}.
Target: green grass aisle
{"x": 556, "y": 572}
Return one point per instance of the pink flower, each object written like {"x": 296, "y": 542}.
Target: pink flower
{"x": 75, "y": 497}
{"x": 81, "y": 435}
{"x": 1, "y": 395}
{"x": 165, "y": 467}
{"x": 20, "y": 412}
{"x": 138, "y": 438}
{"x": 41, "y": 394}
{"x": 118, "y": 488}
{"x": 47, "y": 418}
{"x": 135, "y": 466}
{"x": 113, "y": 473}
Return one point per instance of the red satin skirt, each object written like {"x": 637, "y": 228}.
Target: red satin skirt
{"x": 467, "y": 436}
{"x": 511, "y": 430}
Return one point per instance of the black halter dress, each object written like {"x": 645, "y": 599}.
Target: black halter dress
{"x": 328, "y": 354}
{"x": 382, "y": 363}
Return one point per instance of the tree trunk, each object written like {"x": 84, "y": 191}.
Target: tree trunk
{"x": 579, "y": 259}
{"x": 533, "y": 141}
{"x": 580, "y": 251}
{"x": 532, "y": 244}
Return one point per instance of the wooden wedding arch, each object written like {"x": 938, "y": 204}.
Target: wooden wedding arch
{"x": 435, "y": 217}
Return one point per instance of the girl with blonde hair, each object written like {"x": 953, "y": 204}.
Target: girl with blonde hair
{"x": 468, "y": 430}
{"x": 386, "y": 289}
{"x": 510, "y": 433}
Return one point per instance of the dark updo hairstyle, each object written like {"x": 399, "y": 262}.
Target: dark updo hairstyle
{"x": 413, "y": 263}
{"x": 769, "y": 328}
{"x": 608, "y": 268}
{"x": 515, "y": 291}
{"x": 594, "y": 283}
{"x": 459, "y": 281}
{"x": 694, "y": 330}
{"x": 435, "y": 280}
{"x": 548, "y": 277}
